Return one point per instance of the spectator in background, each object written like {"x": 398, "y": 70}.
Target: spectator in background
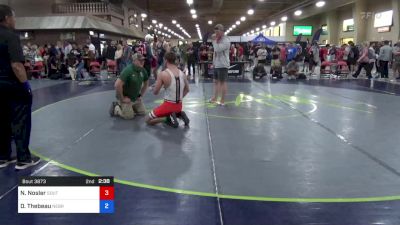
{"x": 87, "y": 57}
{"x": 252, "y": 54}
{"x": 240, "y": 52}
{"x": 60, "y": 49}
{"x": 41, "y": 50}
{"x": 91, "y": 47}
{"x": 299, "y": 58}
{"x": 161, "y": 49}
{"x": 118, "y": 57}
{"x": 332, "y": 51}
{"x": 204, "y": 58}
{"x": 126, "y": 58}
{"x": 36, "y": 52}
{"x": 292, "y": 70}
{"x": 372, "y": 56}
{"x": 315, "y": 57}
{"x": 103, "y": 56}
{"x": 191, "y": 59}
{"x": 111, "y": 49}
{"x": 262, "y": 54}
{"x": 72, "y": 63}
{"x": 385, "y": 56}
{"x": 256, "y": 47}
{"x": 154, "y": 61}
{"x": 323, "y": 52}
{"x": 147, "y": 53}
{"x": 28, "y": 45}
{"x": 232, "y": 53}
{"x": 46, "y": 55}
{"x": 283, "y": 54}
{"x": 377, "y": 48}
{"x": 276, "y": 65}
{"x": 67, "y": 48}
{"x": 25, "y": 51}
{"x": 352, "y": 56}
{"x": 78, "y": 55}
{"x": 307, "y": 59}
{"x": 291, "y": 52}
{"x": 346, "y": 51}
{"x": 396, "y": 60}
{"x": 363, "y": 61}
{"x": 246, "y": 51}
{"x": 31, "y": 55}
{"x": 54, "y": 65}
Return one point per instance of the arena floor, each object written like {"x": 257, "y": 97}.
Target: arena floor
{"x": 279, "y": 152}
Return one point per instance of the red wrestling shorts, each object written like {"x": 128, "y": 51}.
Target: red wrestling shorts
{"x": 166, "y": 109}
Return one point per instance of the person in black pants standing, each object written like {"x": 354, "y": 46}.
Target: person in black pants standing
{"x": 191, "y": 59}
{"x": 15, "y": 96}
{"x": 385, "y": 56}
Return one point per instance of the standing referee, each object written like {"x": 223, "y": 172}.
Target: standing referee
{"x": 15, "y": 96}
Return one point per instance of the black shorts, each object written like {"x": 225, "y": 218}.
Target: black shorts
{"x": 351, "y": 61}
{"x": 263, "y": 61}
{"x": 220, "y": 74}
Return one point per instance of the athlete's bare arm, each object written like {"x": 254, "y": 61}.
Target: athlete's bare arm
{"x": 159, "y": 83}
{"x": 186, "y": 89}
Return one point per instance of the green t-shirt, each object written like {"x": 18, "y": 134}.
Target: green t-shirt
{"x": 133, "y": 78}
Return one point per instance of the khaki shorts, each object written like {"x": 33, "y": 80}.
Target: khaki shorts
{"x": 129, "y": 110}
{"x": 396, "y": 66}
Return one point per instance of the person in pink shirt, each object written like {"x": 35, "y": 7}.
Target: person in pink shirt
{"x": 240, "y": 52}
{"x": 363, "y": 61}
{"x": 283, "y": 54}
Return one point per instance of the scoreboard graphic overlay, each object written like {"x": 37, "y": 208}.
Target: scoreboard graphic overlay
{"x": 66, "y": 195}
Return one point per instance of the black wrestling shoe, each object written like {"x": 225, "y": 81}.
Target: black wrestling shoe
{"x": 182, "y": 115}
{"x": 172, "y": 121}
{"x": 23, "y": 165}
{"x": 6, "y": 162}
{"x": 112, "y": 108}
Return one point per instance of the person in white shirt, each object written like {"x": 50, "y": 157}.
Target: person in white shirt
{"x": 92, "y": 48}
{"x": 221, "y": 45}
{"x": 118, "y": 57}
{"x": 262, "y": 54}
{"x": 67, "y": 48}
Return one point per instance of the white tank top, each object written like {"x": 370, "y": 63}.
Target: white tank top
{"x": 174, "y": 93}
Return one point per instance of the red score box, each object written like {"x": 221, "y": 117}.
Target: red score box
{"x": 106, "y": 193}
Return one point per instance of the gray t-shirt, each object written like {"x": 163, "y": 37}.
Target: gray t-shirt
{"x": 385, "y": 53}
{"x": 221, "y": 53}
{"x": 315, "y": 51}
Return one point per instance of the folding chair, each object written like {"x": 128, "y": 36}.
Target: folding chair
{"x": 38, "y": 68}
{"x": 95, "y": 68}
{"x": 111, "y": 67}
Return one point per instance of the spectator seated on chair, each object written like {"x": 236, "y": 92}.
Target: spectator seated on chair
{"x": 54, "y": 67}
{"x": 73, "y": 63}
